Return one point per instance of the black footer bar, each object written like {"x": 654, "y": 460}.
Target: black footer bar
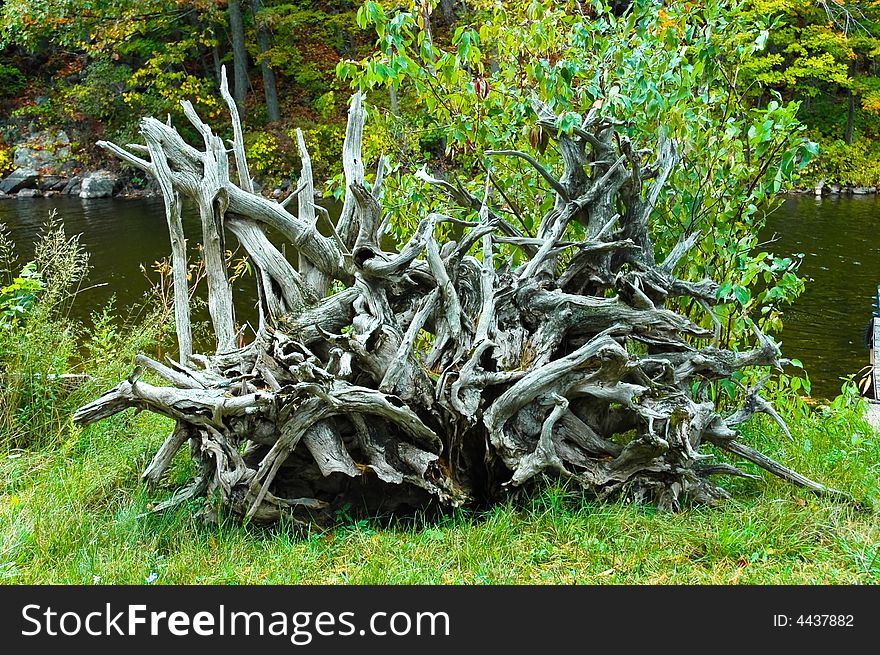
{"x": 434, "y": 619}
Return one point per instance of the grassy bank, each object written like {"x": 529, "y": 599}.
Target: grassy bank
{"x": 72, "y": 508}
{"x": 74, "y": 512}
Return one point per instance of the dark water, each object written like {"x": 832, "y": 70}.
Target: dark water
{"x": 824, "y": 329}
{"x": 840, "y": 240}
{"x": 119, "y": 236}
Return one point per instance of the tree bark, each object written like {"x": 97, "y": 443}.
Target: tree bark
{"x": 448, "y": 9}
{"x": 239, "y": 54}
{"x": 273, "y": 111}
{"x": 850, "y": 117}
{"x": 392, "y": 98}
{"x": 434, "y": 377}
{"x": 215, "y": 58}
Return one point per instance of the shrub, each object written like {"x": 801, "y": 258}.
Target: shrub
{"x": 37, "y": 338}
{"x": 6, "y": 165}
{"x": 856, "y": 164}
{"x": 325, "y": 147}
{"x": 18, "y": 297}
{"x": 267, "y": 159}
{"x": 12, "y": 80}
{"x": 40, "y": 342}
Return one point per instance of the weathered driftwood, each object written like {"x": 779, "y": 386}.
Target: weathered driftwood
{"x": 438, "y": 376}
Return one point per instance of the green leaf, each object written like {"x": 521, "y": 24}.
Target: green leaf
{"x": 742, "y": 294}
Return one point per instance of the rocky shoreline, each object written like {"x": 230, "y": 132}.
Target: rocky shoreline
{"x": 823, "y": 189}
{"x": 46, "y": 165}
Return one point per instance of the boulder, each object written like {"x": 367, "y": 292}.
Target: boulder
{"x": 69, "y": 167}
{"x": 26, "y": 157}
{"x": 73, "y": 185}
{"x": 99, "y": 184}
{"x": 48, "y": 182}
{"x": 43, "y": 150}
{"x": 30, "y": 193}
{"x": 20, "y": 178}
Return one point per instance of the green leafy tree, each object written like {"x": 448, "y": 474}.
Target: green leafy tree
{"x": 816, "y": 51}
{"x": 130, "y": 57}
{"x": 666, "y": 72}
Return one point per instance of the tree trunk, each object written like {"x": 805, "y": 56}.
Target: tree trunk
{"x": 448, "y": 9}
{"x": 432, "y": 378}
{"x": 392, "y": 97}
{"x": 239, "y": 54}
{"x": 850, "y": 117}
{"x": 273, "y": 111}
{"x": 215, "y": 55}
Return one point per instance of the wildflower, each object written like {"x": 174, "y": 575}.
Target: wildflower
{"x": 150, "y": 579}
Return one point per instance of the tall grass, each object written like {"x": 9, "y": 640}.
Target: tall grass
{"x": 40, "y": 342}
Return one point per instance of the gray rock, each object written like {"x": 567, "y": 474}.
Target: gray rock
{"x": 48, "y": 182}
{"x": 834, "y": 188}
{"x": 43, "y": 149}
{"x": 73, "y": 185}
{"x": 30, "y": 193}
{"x": 68, "y": 166}
{"x": 26, "y": 157}
{"x": 98, "y": 185}
{"x": 21, "y": 178}
{"x": 859, "y": 190}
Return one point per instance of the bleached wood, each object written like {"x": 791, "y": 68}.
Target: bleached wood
{"x": 440, "y": 372}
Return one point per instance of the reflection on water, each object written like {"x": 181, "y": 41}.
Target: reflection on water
{"x": 838, "y": 236}
{"x": 119, "y": 236}
{"x": 824, "y": 328}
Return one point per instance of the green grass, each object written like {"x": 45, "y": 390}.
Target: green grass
{"x": 75, "y": 512}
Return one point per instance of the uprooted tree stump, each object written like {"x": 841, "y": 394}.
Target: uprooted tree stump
{"x": 437, "y": 376}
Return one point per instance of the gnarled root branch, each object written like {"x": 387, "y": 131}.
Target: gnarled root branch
{"x": 436, "y": 377}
